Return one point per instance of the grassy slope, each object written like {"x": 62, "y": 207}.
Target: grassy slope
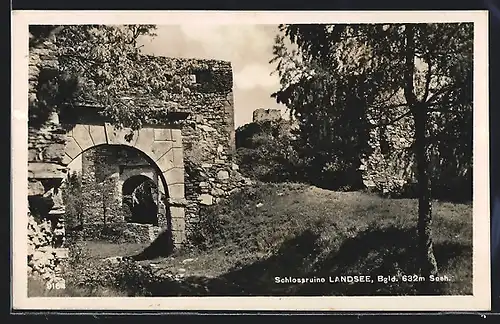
{"x": 306, "y": 231}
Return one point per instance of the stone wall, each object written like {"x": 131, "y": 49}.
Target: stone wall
{"x": 390, "y": 167}
{"x": 121, "y": 232}
{"x": 261, "y": 114}
{"x": 207, "y": 141}
{"x": 208, "y": 134}
{"x": 104, "y": 171}
{"x": 46, "y": 170}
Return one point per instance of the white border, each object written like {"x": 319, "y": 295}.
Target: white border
{"x": 480, "y": 301}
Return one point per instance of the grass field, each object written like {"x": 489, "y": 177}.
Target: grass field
{"x": 280, "y": 230}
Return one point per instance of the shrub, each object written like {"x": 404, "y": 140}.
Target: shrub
{"x": 90, "y": 276}
{"x": 224, "y": 225}
{"x": 74, "y": 201}
{"x": 266, "y": 151}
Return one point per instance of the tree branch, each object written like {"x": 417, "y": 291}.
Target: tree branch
{"x": 409, "y": 68}
{"x": 444, "y": 90}
{"x": 427, "y": 81}
{"x": 389, "y": 106}
{"x": 392, "y": 121}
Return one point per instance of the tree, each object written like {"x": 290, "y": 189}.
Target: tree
{"x": 333, "y": 128}
{"x": 73, "y": 200}
{"x": 102, "y": 65}
{"x": 417, "y": 73}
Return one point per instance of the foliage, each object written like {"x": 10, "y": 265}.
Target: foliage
{"x": 396, "y": 70}
{"x": 267, "y": 151}
{"x": 74, "y": 201}
{"x": 145, "y": 192}
{"x": 333, "y": 135}
{"x": 102, "y": 66}
{"x": 94, "y": 276}
{"x": 105, "y": 58}
{"x": 98, "y": 59}
{"x": 369, "y": 58}
{"x": 272, "y": 152}
{"x": 125, "y": 276}
{"x": 218, "y": 224}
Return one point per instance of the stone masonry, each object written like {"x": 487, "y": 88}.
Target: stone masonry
{"x": 106, "y": 170}
{"x": 46, "y": 171}
{"x": 191, "y": 158}
{"x": 262, "y": 114}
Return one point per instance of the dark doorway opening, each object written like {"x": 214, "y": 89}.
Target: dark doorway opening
{"x": 140, "y": 196}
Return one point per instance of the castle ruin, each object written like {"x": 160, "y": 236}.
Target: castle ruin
{"x": 262, "y": 114}
{"x": 186, "y": 158}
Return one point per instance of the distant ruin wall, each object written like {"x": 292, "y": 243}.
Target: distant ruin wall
{"x": 260, "y": 115}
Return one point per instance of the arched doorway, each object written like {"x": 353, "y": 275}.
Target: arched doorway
{"x": 140, "y": 200}
{"x": 161, "y": 147}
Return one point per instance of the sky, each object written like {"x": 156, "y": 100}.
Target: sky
{"x": 247, "y": 47}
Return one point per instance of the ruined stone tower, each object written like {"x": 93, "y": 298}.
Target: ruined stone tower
{"x": 188, "y": 155}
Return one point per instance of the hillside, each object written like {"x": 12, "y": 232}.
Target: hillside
{"x": 272, "y": 230}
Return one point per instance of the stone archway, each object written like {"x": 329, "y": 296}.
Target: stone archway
{"x": 161, "y": 146}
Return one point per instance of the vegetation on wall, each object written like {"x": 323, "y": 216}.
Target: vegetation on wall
{"x": 102, "y": 65}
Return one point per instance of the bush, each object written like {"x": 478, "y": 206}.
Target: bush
{"x": 73, "y": 200}
{"x": 271, "y": 152}
{"x": 125, "y": 276}
{"x": 94, "y": 277}
{"x": 266, "y": 151}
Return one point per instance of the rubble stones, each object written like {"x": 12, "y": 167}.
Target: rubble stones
{"x": 35, "y": 188}
{"x": 223, "y": 175}
{"x": 206, "y": 199}
{"x": 216, "y": 192}
{"x": 43, "y": 259}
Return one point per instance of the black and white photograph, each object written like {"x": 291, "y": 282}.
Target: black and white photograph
{"x": 298, "y": 161}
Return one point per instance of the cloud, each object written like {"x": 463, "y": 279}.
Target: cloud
{"x": 232, "y": 42}
{"x": 247, "y": 47}
{"x": 256, "y": 75}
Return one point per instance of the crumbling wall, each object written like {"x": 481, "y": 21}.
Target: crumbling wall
{"x": 102, "y": 184}
{"x": 46, "y": 170}
{"x": 44, "y": 260}
{"x": 261, "y": 114}
{"x": 208, "y": 136}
